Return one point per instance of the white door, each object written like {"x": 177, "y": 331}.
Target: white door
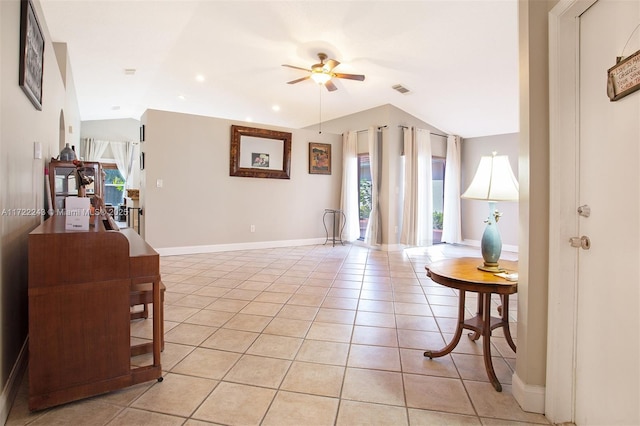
{"x": 608, "y": 325}
{"x": 594, "y": 326}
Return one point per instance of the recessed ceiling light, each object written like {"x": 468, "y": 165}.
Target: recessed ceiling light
{"x": 181, "y": 97}
{"x": 200, "y": 77}
{"x": 249, "y": 119}
{"x": 276, "y": 107}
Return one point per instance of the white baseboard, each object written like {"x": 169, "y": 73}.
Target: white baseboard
{"x": 530, "y": 397}
{"x": 10, "y": 390}
{"x": 476, "y": 243}
{"x": 215, "y": 248}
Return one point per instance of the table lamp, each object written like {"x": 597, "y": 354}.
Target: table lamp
{"x": 494, "y": 181}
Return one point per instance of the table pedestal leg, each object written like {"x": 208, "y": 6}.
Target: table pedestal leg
{"x": 505, "y": 317}
{"x": 476, "y": 333}
{"x": 486, "y": 342}
{"x": 481, "y": 326}
{"x": 456, "y": 338}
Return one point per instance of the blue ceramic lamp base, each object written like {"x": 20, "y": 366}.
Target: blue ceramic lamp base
{"x": 491, "y": 244}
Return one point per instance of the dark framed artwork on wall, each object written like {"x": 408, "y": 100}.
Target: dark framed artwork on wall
{"x": 31, "y": 54}
{"x": 319, "y": 158}
{"x": 259, "y": 153}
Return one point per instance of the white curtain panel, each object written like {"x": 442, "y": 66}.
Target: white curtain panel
{"x": 417, "y": 213}
{"x": 373, "y": 234}
{"x": 451, "y": 222}
{"x": 123, "y": 154}
{"x": 134, "y": 176}
{"x": 92, "y": 149}
{"x": 349, "y": 198}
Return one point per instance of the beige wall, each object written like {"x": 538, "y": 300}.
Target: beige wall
{"x": 391, "y": 188}
{"x": 71, "y": 131}
{"x": 210, "y": 136}
{"x": 473, "y": 212}
{"x": 534, "y": 202}
{"x": 124, "y": 129}
{"x": 201, "y": 206}
{"x": 230, "y": 202}
{"x": 21, "y": 176}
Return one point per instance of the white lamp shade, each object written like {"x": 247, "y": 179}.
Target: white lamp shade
{"x": 493, "y": 181}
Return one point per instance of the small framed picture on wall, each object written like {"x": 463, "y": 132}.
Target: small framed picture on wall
{"x": 319, "y": 158}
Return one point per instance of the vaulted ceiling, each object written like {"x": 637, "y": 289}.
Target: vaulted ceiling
{"x": 458, "y": 58}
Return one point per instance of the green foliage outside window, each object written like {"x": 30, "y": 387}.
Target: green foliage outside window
{"x": 118, "y": 183}
{"x": 365, "y": 198}
{"x": 114, "y": 185}
{"x": 115, "y": 179}
{"x": 437, "y": 220}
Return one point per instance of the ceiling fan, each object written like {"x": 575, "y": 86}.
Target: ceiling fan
{"x": 322, "y": 73}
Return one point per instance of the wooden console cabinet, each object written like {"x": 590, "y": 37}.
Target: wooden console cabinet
{"x": 79, "y": 317}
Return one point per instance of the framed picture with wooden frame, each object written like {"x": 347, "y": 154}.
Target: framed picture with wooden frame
{"x": 259, "y": 153}
{"x": 31, "y": 54}
{"x": 319, "y": 158}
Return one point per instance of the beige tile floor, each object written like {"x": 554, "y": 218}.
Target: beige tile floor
{"x": 313, "y": 335}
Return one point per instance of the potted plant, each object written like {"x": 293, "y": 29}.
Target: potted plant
{"x": 437, "y": 227}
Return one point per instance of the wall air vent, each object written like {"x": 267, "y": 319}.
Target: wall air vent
{"x": 400, "y": 89}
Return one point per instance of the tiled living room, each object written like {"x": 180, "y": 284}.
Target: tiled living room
{"x": 309, "y": 335}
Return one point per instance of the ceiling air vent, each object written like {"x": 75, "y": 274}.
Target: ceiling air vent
{"x": 400, "y": 89}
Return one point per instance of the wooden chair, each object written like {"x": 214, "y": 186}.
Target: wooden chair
{"x": 142, "y": 294}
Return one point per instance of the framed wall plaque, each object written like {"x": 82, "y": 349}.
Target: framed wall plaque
{"x": 624, "y": 77}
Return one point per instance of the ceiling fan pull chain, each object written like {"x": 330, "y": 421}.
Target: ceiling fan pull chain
{"x": 320, "y": 118}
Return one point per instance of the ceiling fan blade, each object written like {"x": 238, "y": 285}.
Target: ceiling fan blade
{"x": 299, "y": 80}
{"x": 330, "y": 64}
{"x": 358, "y": 77}
{"x": 295, "y": 68}
{"x": 330, "y": 86}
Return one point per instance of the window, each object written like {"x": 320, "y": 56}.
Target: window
{"x": 114, "y": 185}
{"x": 364, "y": 191}
{"x": 437, "y": 176}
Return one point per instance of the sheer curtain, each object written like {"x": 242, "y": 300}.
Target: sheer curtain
{"x": 92, "y": 149}
{"x": 373, "y": 235}
{"x": 123, "y": 154}
{"x": 417, "y": 213}
{"x": 349, "y": 199}
{"x": 451, "y": 222}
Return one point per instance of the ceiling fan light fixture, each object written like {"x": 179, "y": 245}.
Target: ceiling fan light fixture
{"x": 322, "y": 73}
{"x": 320, "y": 77}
